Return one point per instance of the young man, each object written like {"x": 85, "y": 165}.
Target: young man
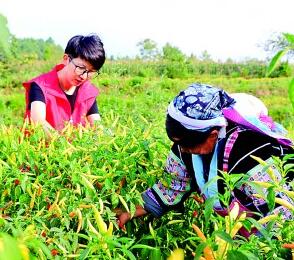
{"x": 65, "y": 94}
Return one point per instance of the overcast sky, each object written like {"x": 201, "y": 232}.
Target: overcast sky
{"x": 225, "y": 28}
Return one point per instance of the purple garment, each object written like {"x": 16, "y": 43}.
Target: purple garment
{"x": 263, "y": 125}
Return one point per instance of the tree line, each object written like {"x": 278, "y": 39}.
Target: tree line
{"x": 22, "y": 58}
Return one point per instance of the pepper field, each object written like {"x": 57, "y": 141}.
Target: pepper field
{"x": 58, "y": 197}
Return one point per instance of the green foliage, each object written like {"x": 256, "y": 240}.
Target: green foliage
{"x": 148, "y": 49}
{"x": 189, "y": 68}
{"x": 21, "y": 59}
{"x": 58, "y": 197}
{"x": 281, "y": 70}
{"x": 174, "y": 70}
{"x": 53, "y": 186}
{"x": 291, "y": 91}
{"x": 205, "y": 56}
{"x": 287, "y": 48}
{"x": 28, "y": 49}
{"x": 4, "y": 39}
{"x": 173, "y": 54}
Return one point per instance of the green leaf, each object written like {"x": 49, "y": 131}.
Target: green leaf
{"x": 241, "y": 255}
{"x": 257, "y": 188}
{"x": 225, "y": 236}
{"x": 237, "y": 179}
{"x": 288, "y": 156}
{"x": 291, "y": 92}
{"x": 270, "y": 225}
{"x": 152, "y": 232}
{"x": 132, "y": 209}
{"x": 247, "y": 224}
{"x": 124, "y": 203}
{"x": 141, "y": 246}
{"x": 9, "y": 247}
{"x": 208, "y": 210}
{"x": 129, "y": 254}
{"x": 108, "y": 184}
{"x": 262, "y": 230}
{"x": 199, "y": 250}
{"x": 46, "y": 251}
{"x": 289, "y": 167}
{"x": 274, "y": 62}
{"x": 114, "y": 200}
{"x": 289, "y": 37}
{"x": 155, "y": 254}
{"x": 270, "y": 198}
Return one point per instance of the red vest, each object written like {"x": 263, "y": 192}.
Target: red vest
{"x": 58, "y": 109}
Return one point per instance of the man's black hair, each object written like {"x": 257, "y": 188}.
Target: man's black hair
{"x": 183, "y": 136}
{"x": 89, "y": 48}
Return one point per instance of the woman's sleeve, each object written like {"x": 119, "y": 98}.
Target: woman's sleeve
{"x": 171, "y": 190}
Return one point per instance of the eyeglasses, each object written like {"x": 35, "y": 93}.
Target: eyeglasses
{"x": 81, "y": 70}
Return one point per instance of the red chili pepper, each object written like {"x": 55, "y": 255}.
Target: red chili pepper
{"x": 72, "y": 214}
{"x": 54, "y": 252}
{"x": 195, "y": 214}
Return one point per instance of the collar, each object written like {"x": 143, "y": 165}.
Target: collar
{"x": 209, "y": 189}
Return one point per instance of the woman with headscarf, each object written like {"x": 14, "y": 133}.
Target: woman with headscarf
{"x": 212, "y": 133}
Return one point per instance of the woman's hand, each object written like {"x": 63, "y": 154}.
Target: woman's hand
{"x": 123, "y": 217}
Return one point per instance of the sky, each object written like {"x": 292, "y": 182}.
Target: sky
{"x": 235, "y": 29}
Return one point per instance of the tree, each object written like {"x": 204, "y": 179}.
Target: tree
{"x": 148, "y": 49}
{"x": 279, "y": 42}
{"x": 172, "y": 53}
{"x": 205, "y": 56}
{"x": 5, "y": 38}
{"x": 51, "y": 50}
{"x": 32, "y": 49}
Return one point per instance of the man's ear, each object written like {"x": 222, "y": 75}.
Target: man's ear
{"x": 65, "y": 59}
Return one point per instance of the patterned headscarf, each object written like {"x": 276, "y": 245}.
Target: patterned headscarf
{"x": 199, "y": 107}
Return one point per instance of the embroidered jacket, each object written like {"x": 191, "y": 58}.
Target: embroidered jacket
{"x": 233, "y": 156}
